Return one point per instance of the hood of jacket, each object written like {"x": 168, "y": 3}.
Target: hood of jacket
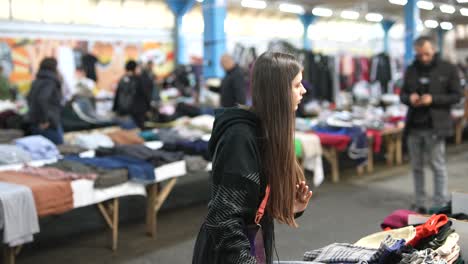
{"x": 47, "y": 74}
{"x": 226, "y": 118}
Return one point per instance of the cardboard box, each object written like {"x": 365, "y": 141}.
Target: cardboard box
{"x": 459, "y": 203}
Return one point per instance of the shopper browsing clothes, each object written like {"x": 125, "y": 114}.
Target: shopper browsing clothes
{"x": 233, "y": 90}
{"x": 130, "y": 98}
{"x": 431, "y": 86}
{"x": 148, "y": 78}
{"x": 254, "y": 167}
{"x": 44, "y": 101}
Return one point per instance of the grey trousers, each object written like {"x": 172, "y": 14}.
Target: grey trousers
{"x": 421, "y": 144}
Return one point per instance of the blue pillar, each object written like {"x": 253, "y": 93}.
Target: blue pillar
{"x": 411, "y": 29}
{"x": 307, "y": 20}
{"x": 387, "y": 25}
{"x": 214, "y": 37}
{"x": 179, "y": 8}
{"x": 440, "y": 39}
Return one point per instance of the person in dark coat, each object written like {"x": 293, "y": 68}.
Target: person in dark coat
{"x": 431, "y": 86}
{"x": 254, "y": 161}
{"x": 88, "y": 63}
{"x": 131, "y": 97}
{"x": 233, "y": 86}
{"x": 44, "y": 101}
{"x": 148, "y": 80}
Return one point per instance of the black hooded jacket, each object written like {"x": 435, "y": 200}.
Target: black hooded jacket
{"x": 44, "y": 99}
{"x": 237, "y": 190}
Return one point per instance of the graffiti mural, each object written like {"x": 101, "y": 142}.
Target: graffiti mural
{"x": 20, "y": 58}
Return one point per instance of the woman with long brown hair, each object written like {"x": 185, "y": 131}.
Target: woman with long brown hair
{"x": 255, "y": 168}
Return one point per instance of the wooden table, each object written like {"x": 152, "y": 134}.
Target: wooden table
{"x": 331, "y": 155}
{"x": 393, "y": 140}
{"x": 109, "y": 210}
{"x": 156, "y": 195}
{"x": 391, "y": 137}
{"x": 459, "y": 125}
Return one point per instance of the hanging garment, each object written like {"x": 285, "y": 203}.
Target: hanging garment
{"x": 320, "y": 77}
{"x": 312, "y": 155}
{"x": 18, "y": 215}
{"x": 346, "y": 72}
{"x": 66, "y": 67}
{"x": 381, "y": 71}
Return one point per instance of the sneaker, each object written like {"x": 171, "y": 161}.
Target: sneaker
{"x": 446, "y": 209}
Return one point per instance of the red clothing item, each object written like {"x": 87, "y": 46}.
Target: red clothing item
{"x": 396, "y": 119}
{"x": 340, "y": 142}
{"x": 431, "y": 227}
{"x": 377, "y": 136}
{"x": 397, "y": 219}
{"x": 365, "y": 69}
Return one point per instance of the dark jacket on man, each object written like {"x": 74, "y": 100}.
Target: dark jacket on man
{"x": 147, "y": 81}
{"x": 44, "y": 99}
{"x": 439, "y": 79}
{"x": 131, "y": 98}
{"x": 233, "y": 88}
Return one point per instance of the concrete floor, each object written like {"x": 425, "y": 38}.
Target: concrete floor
{"x": 341, "y": 212}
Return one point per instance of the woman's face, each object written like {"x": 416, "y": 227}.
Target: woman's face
{"x": 297, "y": 90}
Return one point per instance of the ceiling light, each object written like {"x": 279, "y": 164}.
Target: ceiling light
{"x": 462, "y": 1}
{"x": 291, "y": 8}
{"x": 399, "y": 2}
{"x": 374, "y": 17}
{"x": 464, "y": 11}
{"x": 348, "y": 14}
{"x": 446, "y": 25}
{"x": 449, "y": 9}
{"x": 431, "y": 23}
{"x": 200, "y": 1}
{"x": 257, "y": 4}
{"x": 425, "y": 5}
{"x": 324, "y": 12}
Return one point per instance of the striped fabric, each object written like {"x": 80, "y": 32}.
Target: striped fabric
{"x": 225, "y": 219}
{"x": 348, "y": 253}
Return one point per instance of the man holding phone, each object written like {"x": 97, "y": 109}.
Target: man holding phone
{"x": 431, "y": 86}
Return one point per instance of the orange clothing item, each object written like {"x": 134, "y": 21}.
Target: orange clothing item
{"x": 50, "y": 196}
{"x": 122, "y": 137}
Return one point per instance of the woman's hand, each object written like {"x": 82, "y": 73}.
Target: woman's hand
{"x": 302, "y": 197}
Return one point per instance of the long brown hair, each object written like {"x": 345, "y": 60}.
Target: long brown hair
{"x": 272, "y": 102}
